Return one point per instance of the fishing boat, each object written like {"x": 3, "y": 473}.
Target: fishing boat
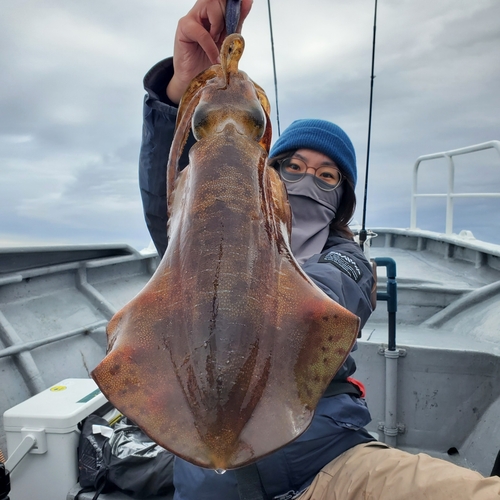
{"x": 429, "y": 356}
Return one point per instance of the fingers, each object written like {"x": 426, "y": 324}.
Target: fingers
{"x": 246, "y": 6}
{"x": 205, "y": 24}
{"x": 191, "y": 36}
{"x": 198, "y": 39}
{"x": 216, "y": 20}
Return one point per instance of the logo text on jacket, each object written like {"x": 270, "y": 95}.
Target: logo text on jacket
{"x": 342, "y": 262}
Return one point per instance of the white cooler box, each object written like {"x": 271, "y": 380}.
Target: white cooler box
{"x": 50, "y": 469}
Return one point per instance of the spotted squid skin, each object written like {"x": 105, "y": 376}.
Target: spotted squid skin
{"x": 225, "y": 353}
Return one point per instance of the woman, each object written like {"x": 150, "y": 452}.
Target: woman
{"x": 317, "y": 162}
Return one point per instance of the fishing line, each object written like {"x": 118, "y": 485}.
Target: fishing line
{"x": 363, "y": 232}
{"x": 274, "y": 66}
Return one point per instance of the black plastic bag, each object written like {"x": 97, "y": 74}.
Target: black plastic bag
{"x": 122, "y": 457}
{"x": 137, "y": 464}
{"x": 93, "y": 456}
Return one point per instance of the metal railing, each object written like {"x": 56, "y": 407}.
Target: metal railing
{"x": 450, "y": 195}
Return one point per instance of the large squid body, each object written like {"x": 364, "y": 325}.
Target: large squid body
{"x": 224, "y": 355}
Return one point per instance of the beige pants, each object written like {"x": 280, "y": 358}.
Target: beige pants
{"x": 374, "y": 471}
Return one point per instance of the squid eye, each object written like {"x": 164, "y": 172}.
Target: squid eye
{"x": 201, "y": 123}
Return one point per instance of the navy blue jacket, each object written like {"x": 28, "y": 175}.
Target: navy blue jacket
{"x": 341, "y": 271}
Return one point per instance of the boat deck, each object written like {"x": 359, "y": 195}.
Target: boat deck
{"x": 448, "y": 291}
{"x": 53, "y": 311}
{"x": 447, "y": 333}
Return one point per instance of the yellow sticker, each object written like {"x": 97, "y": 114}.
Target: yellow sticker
{"x": 58, "y": 388}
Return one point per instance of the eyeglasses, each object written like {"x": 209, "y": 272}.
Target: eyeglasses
{"x": 326, "y": 178}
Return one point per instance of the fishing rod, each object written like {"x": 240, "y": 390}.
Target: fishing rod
{"x": 363, "y": 233}
{"x": 274, "y": 66}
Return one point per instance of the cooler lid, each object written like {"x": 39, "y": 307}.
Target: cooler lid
{"x": 57, "y": 408}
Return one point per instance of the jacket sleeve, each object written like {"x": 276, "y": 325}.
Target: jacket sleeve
{"x": 345, "y": 275}
{"x": 159, "y": 116}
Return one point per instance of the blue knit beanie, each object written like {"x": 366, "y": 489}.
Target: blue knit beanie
{"x": 322, "y": 136}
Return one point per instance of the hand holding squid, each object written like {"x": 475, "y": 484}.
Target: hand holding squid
{"x": 198, "y": 41}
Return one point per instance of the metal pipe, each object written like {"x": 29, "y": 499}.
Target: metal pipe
{"x": 390, "y": 296}
{"x": 458, "y": 195}
{"x": 28, "y": 346}
{"x": 9, "y": 279}
{"x": 59, "y": 268}
{"x": 390, "y": 426}
{"x": 44, "y": 271}
{"x": 99, "y": 301}
{"x": 462, "y": 304}
{"x": 450, "y": 195}
{"x": 391, "y": 397}
{"x": 24, "y": 361}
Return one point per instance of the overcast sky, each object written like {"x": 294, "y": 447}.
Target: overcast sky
{"x": 71, "y": 103}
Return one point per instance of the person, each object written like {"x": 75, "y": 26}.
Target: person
{"x": 335, "y": 457}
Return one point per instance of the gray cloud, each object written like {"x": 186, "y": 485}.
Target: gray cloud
{"x": 71, "y": 101}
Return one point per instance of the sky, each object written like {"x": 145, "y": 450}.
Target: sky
{"x": 71, "y": 105}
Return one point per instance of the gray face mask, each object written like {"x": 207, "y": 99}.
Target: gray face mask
{"x": 312, "y": 210}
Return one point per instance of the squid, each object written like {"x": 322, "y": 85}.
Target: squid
{"x": 225, "y": 353}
